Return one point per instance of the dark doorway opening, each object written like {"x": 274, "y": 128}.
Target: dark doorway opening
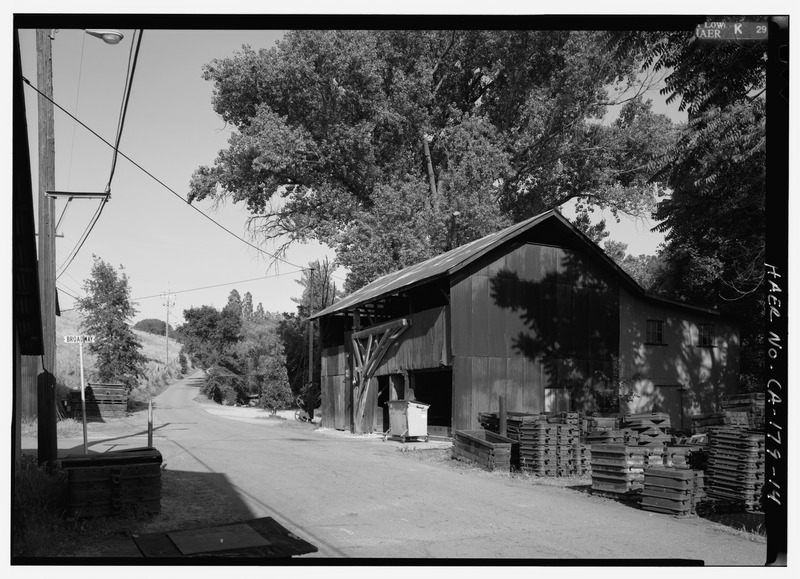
{"x": 435, "y": 387}
{"x": 390, "y": 387}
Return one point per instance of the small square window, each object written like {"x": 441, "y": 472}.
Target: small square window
{"x": 706, "y": 336}
{"x": 655, "y": 331}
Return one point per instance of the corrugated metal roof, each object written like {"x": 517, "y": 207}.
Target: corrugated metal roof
{"x": 446, "y": 263}
{"x": 458, "y": 258}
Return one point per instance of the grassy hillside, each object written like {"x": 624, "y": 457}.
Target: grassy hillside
{"x": 68, "y": 372}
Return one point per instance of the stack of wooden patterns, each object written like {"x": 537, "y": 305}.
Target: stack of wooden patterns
{"x": 752, "y": 403}
{"x": 102, "y": 400}
{"x": 595, "y": 423}
{"x": 736, "y": 466}
{"x": 568, "y": 441}
{"x": 619, "y": 469}
{"x": 514, "y": 421}
{"x": 538, "y": 447}
{"x": 651, "y": 427}
{"x": 736, "y": 419}
{"x": 487, "y": 449}
{"x": 550, "y": 444}
{"x": 671, "y": 490}
{"x": 679, "y": 455}
{"x": 605, "y": 437}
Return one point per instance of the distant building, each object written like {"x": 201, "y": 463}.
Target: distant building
{"x": 536, "y": 313}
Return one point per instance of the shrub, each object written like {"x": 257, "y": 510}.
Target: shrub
{"x": 223, "y": 386}
{"x": 184, "y": 363}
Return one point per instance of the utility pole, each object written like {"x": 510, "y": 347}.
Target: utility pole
{"x": 167, "y": 301}
{"x": 46, "y": 384}
{"x": 310, "y": 336}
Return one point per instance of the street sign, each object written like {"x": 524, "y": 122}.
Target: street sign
{"x": 731, "y": 31}
{"x": 82, "y": 339}
{"x": 78, "y": 339}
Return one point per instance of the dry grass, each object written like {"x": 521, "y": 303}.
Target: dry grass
{"x": 68, "y": 369}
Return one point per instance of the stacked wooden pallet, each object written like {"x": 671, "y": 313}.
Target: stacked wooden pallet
{"x": 102, "y": 400}
{"x": 736, "y": 466}
{"x": 485, "y": 448}
{"x": 619, "y": 469}
{"x": 752, "y": 403}
{"x": 672, "y": 490}
{"x": 651, "y": 427}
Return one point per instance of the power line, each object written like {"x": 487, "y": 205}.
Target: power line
{"x": 120, "y": 124}
{"x": 164, "y": 185}
{"x": 202, "y": 288}
{"x": 219, "y": 285}
{"x": 124, "y": 106}
{"x": 70, "y": 295}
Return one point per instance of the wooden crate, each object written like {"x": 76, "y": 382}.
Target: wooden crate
{"x": 105, "y": 484}
{"x": 101, "y": 400}
{"x": 489, "y": 450}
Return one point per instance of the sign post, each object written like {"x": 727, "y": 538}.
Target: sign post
{"x": 80, "y": 340}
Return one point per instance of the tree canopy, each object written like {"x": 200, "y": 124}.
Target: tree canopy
{"x": 242, "y": 350}
{"x": 369, "y": 141}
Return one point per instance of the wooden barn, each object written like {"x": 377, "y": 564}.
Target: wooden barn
{"x": 28, "y": 345}
{"x": 536, "y": 313}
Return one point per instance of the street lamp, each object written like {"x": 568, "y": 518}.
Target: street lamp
{"x": 107, "y": 36}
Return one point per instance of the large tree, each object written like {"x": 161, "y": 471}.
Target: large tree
{"x": 107, "y": 310}
{"x": 370, "y": 140}
{"x": 714, "y": 217}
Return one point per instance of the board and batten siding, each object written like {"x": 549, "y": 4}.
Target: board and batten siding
{"x": 679, "y": 376}
{"x": 425, "y": 345}
{"x": 525, "y": 318}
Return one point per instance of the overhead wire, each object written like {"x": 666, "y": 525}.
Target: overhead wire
{"x": 221, "y": 284}
{"x": 69, "y": 294}
{"x": 77, "y": 100}
{"x": 132, "y": 60}
{"x": 164, "y": 185}
{"x": 207, "y": 286}
{"x": 117, "y": 152}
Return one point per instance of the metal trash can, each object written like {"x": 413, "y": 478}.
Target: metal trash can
{"x": 408, "y": 419}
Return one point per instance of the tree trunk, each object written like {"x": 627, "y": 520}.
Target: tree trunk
{"x": 431, "y": 175}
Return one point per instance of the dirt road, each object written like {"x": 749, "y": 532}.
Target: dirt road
{"x": 361, "y": 497}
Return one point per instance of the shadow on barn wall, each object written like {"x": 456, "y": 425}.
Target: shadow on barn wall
{"x": 679, "y": 376}
{"x": 569, "y": 314}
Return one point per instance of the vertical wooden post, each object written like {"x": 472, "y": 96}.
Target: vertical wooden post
{"x": 309, "y": 396}
{"x": 502, "y": 416}
{"x": 47, "y": 442}
{"x": 150, "y": 423}
{"x": 83, "y": 401}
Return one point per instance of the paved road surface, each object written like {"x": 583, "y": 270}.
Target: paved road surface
{"x": 360, "y": 497}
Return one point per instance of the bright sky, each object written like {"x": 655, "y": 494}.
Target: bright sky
{"x": 170, "y": 130}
